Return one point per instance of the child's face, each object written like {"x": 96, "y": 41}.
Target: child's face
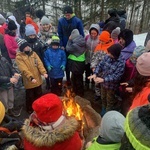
{"x": 27, "y": 48}
{"x": 93, "y": 34}
{"x": 46, "y": 27}
{"x": 68, "y": 16}
{"x": 122, "y": 42}
{"x": 32, "y": 36}
{"x": 54, "y": 46}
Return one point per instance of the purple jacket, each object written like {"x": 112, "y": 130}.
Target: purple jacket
{"x": 127, "y": 51}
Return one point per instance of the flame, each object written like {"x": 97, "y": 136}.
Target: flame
{"x": 71, "y": 107}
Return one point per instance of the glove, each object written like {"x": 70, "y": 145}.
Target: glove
{"x": 49, "y": 68}
{"x": 62, "y": 67}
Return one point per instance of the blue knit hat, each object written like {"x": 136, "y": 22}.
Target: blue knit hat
{"x": 29, "y": 30}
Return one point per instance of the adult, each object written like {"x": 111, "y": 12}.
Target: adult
{"x": 65, "y": 26}
{"x": 122, "y": 16}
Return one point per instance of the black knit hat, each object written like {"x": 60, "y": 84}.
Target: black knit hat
{"x": 12, "y": 25}
{"x": 39, "y": 13}
{"x": 137, "y": 127}
{"x": 112, "y": 12}
{"x": 115, "y": 50}
{"x": 22, "y": 43}
{"x": 127, "y": 35}
{"x": 67, "y": 10}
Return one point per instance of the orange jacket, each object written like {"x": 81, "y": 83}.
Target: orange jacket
{"x": 30, "y": 21}
{"x": 141, "y": 98}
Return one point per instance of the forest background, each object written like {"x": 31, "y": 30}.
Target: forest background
{"x": 89, "y": 11}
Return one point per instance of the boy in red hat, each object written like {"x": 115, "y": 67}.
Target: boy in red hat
{"x": 48, "y": 128}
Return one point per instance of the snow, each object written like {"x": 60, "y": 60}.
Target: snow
{"x": 140, "y": 39}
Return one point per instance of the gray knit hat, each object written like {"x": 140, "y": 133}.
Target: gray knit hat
{"x": 75, "y": 33}
{"x": 137, "y": 127}
{"x": 115, "y": 33}
{"x": 45, "y": 20}
{"x": 112, "y": 127}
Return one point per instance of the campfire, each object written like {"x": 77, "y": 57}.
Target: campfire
{"x": 81, "y": 109}
{"x": 72, "y": 108}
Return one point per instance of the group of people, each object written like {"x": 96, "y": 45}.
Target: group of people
{"x": 111, "y": 62}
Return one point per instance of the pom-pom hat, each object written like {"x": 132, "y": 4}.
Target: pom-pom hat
{"x": 48, "y": 108}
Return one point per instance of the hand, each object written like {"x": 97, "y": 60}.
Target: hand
{"x": 13, "y": 80}
{"x": 98, "y": 80}
{"x": 92, "y": 77}
{"x": 70, "y": 37}
{"x": 33, "y": 81}
{"x": 45, "y": 75}
{"x": 124, "y": 84}
{"x": 129, "y": 89}
{"x": 62, "y": 67}
{"x": 17, "y": 75}
{"x": 49, "y": 68}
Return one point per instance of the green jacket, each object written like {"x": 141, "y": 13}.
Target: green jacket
{"x": 97, "y": 146}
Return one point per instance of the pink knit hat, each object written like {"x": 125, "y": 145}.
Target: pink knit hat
{"x": 143, "y": 64}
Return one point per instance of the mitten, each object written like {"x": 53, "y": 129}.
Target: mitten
{"x": 62, "y": 67}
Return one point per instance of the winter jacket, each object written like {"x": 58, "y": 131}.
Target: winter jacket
{"x": 3, "y": 49}
{"x": 76, "y": 46}
{"x": 30, "y": 67}
{"x": 37, "y": 47}
{"x": 55, "y": 58}
{"x": 11, "y": 45}
{"x": 129, "y": 72}
{"x": 128, "y": 51}
{"x": 96, "y": 58}
{"x": 91, "y": 44}
{"x": 111, "y": 70}
{"x": 98, "y": 146}
{"x": 46, "y": 37}
{"x": 64, "y": 137}
{"x": 76, "y": 59}
{"x": 6, "y": 72}
{"x": 141, "y": 98}
{"x": 65, "y": 28}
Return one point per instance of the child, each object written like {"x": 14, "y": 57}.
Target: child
{"x": 141, "y": 89}
{"x": 76, "y": 47}
{"x": 111, "y": 132}
{"x": 8, "y": 77}
{"x": 137, "y": 129}
{"x": 111, "y": 68}
{"x": 55, "y": 61}
{"x": 48, "y": 128}
{"x": 31, "y": 69}
{"x": 91, "y": 42}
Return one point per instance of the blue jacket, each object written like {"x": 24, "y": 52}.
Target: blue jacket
{"x": 65, "y": 28}
{"x": 55, "y": 58}
{"x": 112, "y": 71}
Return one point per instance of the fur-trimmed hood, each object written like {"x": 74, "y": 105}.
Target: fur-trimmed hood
{"x": 40, "y": 138}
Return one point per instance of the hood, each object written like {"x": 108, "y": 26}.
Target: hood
{"x": 29, "y": 20}
{"x": 41, "y": 138}
{"x": 95, "y": 26}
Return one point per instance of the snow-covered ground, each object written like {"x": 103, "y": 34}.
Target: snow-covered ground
{"x": 140, "y": 39}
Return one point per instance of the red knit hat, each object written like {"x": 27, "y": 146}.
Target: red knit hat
{"x": 48, "y": 108}
{"x": 104, "y": 36}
